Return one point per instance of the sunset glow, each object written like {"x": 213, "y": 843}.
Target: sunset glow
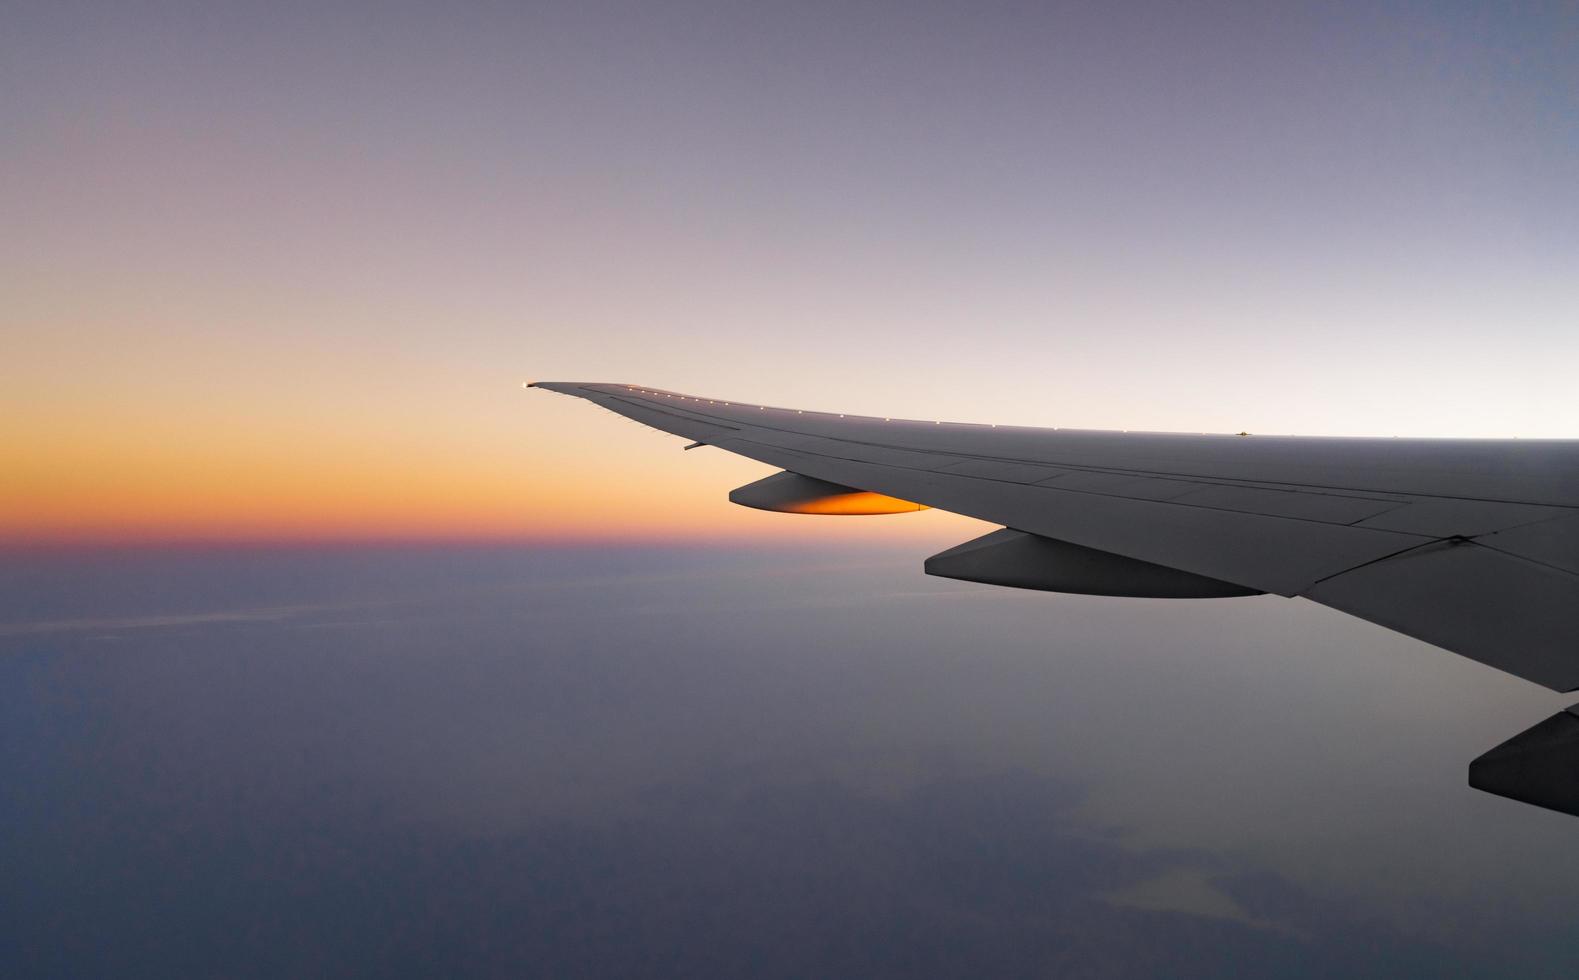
{"x": 242, "y": 302}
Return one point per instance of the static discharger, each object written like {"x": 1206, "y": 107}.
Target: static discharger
{"x": 791, "y": 493}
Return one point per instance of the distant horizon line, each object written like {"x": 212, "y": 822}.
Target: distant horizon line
{"x": 63, "y": 545}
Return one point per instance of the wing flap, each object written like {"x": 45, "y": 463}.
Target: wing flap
{"x": 1446, "y": 517}
{"x": 1554, "y": 543}
{"x": 1493, "y": 607}
{"x": 1328, "y": 508}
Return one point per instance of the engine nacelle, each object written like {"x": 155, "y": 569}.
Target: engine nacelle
{"x": 791, "y": 493}
{"x": 1539, "y": 766}
{"x": 1029, "y": 561}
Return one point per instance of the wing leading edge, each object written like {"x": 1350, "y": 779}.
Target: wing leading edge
{"x": 1471, "y": 545}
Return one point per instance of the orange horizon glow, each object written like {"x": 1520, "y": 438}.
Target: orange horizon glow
{"x": 245, "y": 303}
{"x": 262, "y": 534}
{"x": 554, "y": 472}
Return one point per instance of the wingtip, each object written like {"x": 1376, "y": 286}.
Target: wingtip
{"x": 558, "y": 387}
{"x": 571, "y": 387}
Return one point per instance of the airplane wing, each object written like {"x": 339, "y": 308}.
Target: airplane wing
{"x": 1471, "y": 545}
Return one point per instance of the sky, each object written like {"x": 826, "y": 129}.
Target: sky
{"x": 276, "y": 271}
{"x": 515, "y": 689}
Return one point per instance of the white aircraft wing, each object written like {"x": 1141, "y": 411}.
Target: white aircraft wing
{"x": 1471, "y": 545}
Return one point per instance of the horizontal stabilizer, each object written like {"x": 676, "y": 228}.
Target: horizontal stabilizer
{"x": 1539, "y": 766}
{"x": 1029, "y": 561}
{"x": 792, "y": 493}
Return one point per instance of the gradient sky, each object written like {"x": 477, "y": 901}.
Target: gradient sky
{"x": 277, "y": 270}
{"x": 652, "y": 762}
